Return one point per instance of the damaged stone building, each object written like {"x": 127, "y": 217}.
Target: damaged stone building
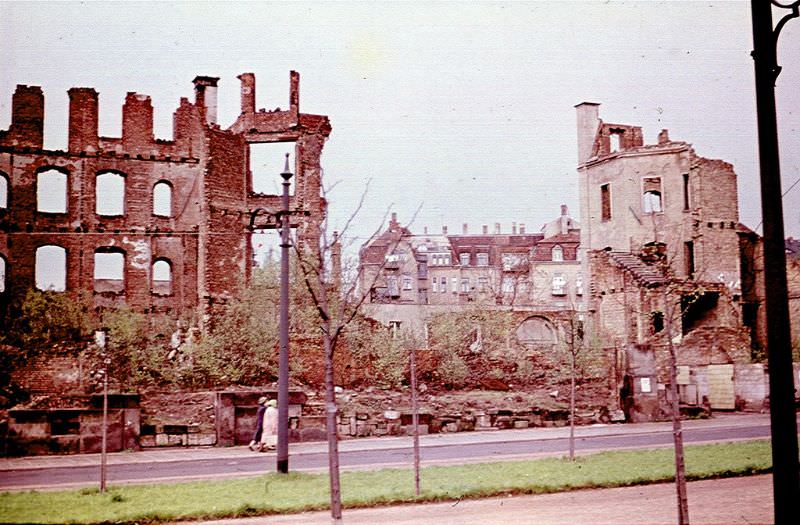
{"x": 664, "y": 252}
{"x": 410, "y": 277}
{"x": 161, "y": 226}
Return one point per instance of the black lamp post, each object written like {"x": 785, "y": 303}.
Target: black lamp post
{"x": 283, "y": 362}
{"x": 785, "y": 474}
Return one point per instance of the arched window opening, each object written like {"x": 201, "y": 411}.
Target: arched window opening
{"x": 2, "y": 274}
{"x": 162, "y": 199}
{"x": 51, "y": 191}
{"x": 109, "y": 271}
{"x": 3, "y": 190}
{"x": 162, "y": 277}
{"x": 51, "y": 268}
{"x": 557, "y": 254}
{"x": 536, "y": 331}
{"x": 110, "y": 194}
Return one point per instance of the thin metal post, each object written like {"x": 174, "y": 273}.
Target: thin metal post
{"x": 415, "y": 416}
{"x": 282, "y": 464}
{"x": 100, "y": 340}
{"x": 785, "y": 479}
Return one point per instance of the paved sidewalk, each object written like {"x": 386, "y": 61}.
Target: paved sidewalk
{"x": 731, "y": 501}
{"x": 432, "y": 440}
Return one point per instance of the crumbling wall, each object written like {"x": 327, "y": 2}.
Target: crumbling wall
{"x": 204, "y": 236}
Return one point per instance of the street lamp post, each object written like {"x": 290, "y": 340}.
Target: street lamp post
{"x": 282, "y": 465}
{"x": 100, "y": 340}
{"x": 785, "y": 477}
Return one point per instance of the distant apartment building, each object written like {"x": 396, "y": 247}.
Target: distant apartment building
{"x": 411, "y": 276}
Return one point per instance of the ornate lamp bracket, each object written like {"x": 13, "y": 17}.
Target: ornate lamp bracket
{"x": 794, "y": 12}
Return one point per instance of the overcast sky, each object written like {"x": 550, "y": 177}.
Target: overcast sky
{"x": 464, "y": 108}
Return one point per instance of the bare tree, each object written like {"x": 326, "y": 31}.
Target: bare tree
{"x": 337, "y": 305}
{"x": 574, "y": 344}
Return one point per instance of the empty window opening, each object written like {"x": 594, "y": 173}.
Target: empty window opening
{"x": 110, "y": 194}
{"x": 443, "y": 285}
{"x": 579, "y": 285}
{"x": 697, "y": 309}
{"x": 615, "y": 141}
{"x": 605, "y": 202}
{"x": 2, "y": 274}
{"x": 267, "y": 162}
{"x": 51, "y": 268}
{"x": 162, "y": 277}
{"x": 483, "y": 284}
{"x": 686, "y": 192}
{"x": 750, "y": 320}
{"x": 651, "y": 197}
{"x": 657, "y": 319}
{"x": 483, "y": 259}
{"x": 557, "y": 254}
{"x": 3, "y": 190}
{"x": 109, "y": 271}
{"x": 464, "y": 259}
{"x": 465, "y": 284}
{"x": 51, "y": 191}
{"x": 688, "y": 257}
{"x": 162, "y": 199}
{"x": 407, "y": 282}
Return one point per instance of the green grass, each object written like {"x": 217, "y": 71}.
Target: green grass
{"x": 276, "y": 494}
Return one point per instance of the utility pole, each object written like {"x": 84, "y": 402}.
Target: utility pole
{"x": 282, "y": 464}
{"x": 785, "y": 473}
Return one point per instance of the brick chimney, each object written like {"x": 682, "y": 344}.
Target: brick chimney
{"x": 248, "y": 92}
{"x": 465, "y": 229}
{"x": 522, "y": 228}
{"x": 497, "y": 228}
{"x": 205, "y": 91}
{"x": 588, "y": 114}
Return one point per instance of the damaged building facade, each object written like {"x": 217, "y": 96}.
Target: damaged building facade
{"x": 537, "y": 275}
{"x": 160, "y": 226}
{"x": 666, "y": 257}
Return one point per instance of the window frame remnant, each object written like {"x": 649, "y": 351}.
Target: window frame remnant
{"x": 111, "y": 260}
{"x": 161, "y": 286}
{"x": 105, "y": 204}
{"x": 44, "y": 262}
{"x": 5, "y": 183}
{"x": 605, "y": 202}
{"x": 652, "y": 195}
{"x": 162, "y": 202}
{"x": 52, "y": 190}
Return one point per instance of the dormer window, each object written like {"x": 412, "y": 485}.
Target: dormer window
{"x": 557, "y": 254}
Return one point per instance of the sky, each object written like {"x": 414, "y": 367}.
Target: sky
{"x": 448, "y": 113}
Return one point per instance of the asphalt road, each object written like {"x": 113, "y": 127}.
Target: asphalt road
{"x": 373, "y": 453}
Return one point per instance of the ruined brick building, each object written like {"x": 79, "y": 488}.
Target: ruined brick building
{"x": 410, "y": 277}
{"x": 162, "y": 226}
{"x": 664, "y": 251}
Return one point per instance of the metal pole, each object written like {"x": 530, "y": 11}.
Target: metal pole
{"x": 100, "y": 340}
{"x": 415, "y": 416}
{"x": 785, "y": 479}
{"x": 282, "y": 465}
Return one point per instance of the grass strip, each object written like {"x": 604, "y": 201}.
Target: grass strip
{"x": 297, "y": 492}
